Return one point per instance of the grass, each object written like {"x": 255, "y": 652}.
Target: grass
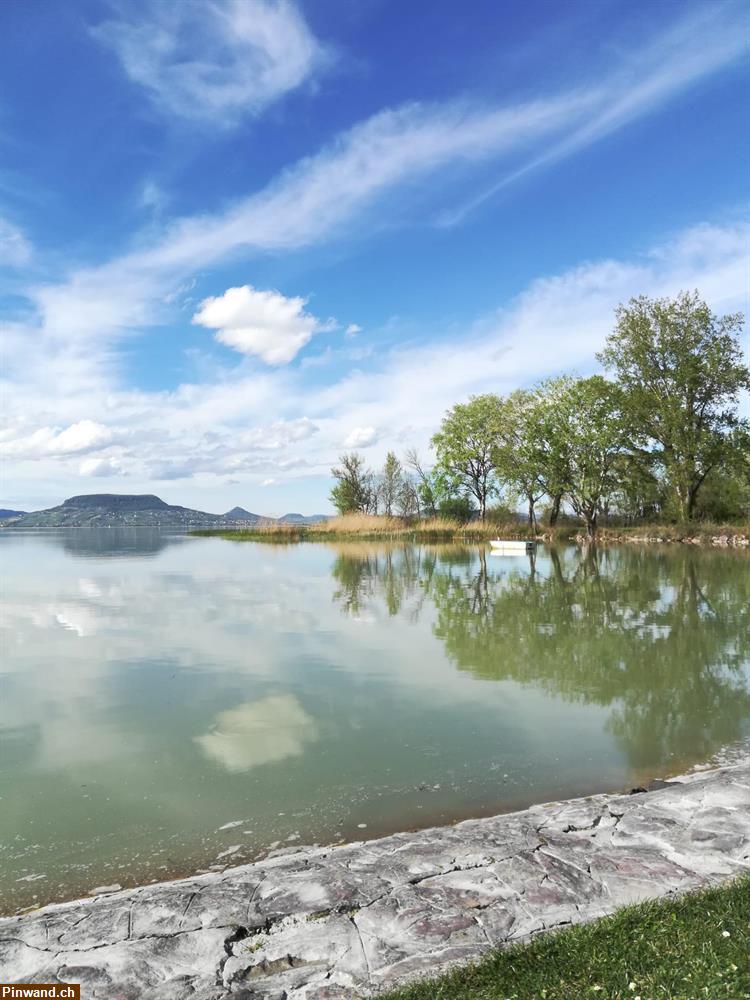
{"x": 695, "y": 946}
{"x": 437, "y": 529}
{"x": 368, "y": 526}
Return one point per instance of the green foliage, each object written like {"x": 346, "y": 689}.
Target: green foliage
{"x": 584, "y": 427}
{"x": 391, "y": 484}
{"x": 456, "y": 509}
{"x": 681, "y": 371}
{"x": 466, "y": 448}
{"x": 519, "y": 460}
{"x": 354, "y": 491}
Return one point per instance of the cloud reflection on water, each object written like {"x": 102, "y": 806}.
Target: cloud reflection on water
{"x": 259, "y": 732}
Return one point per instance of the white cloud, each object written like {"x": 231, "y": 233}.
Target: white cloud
{"x": 100, "y": 467}
{"x": 215, "y": 61}
{"x": 270, "y": 482}
{"x": 353, "y": 329}
{"x": 694, "y": 46}
{"x": 321, "y": 195}
{"x": 264, "y": 323}
{"x": 361, "y": 437}
{"x": 557, "y": 324}
{"x": 283, "y": 424}
{"x": 152, "y": 196}
{"x": 82, "y": 436}
{"x": 15, "y": 249}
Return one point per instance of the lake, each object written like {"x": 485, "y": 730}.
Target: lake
{"x": 168, "y": 703}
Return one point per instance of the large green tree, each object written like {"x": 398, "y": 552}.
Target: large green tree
{"x": 519, "y": 457}
{"x": 547, "y": 444}
{"x": 681, "y": 369}
{"x": 586, "y": 432}
{"x": 466, "y": 448}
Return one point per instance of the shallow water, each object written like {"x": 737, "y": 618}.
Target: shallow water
{"x": 168, "y": 703}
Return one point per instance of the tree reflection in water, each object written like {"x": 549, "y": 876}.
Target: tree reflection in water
{"x": 660, "y": 637}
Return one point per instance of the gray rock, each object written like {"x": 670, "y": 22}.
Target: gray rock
{"x": 335, "y": 923}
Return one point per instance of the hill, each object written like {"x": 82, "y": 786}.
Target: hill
{"x": 108, "y": 509}
{"x": 5, "y": 513}
{"x": 240, "y": 514}
{"x": 94, "y": 509}
{"x": 303, "y": 519}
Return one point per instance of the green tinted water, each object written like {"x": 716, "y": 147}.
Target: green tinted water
{"x": 168, "y": 703}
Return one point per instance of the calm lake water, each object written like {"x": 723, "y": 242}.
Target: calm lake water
{"x": 168, "y": 703}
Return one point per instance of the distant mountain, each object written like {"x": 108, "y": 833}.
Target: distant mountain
{"x": 108, "y": 509}
{"x": 94, "y": 509}
{"x": 240, "y": 514}
{"x": 303, "y": 519}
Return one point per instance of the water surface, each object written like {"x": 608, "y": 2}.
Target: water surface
{"x": 168, "y": 703}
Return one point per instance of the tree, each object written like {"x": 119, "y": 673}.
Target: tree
{"x": 546, "y": 442}
{"x": 407, "y": 502}
{"x": 725, "y": 495}
{"x": 391, "y": 483}
{"x": 354, "y": 491}
{"x": 589, "y": 436}
{"x": 681, "y": 369}
{"x": 466, "y": 447}
{"x": 456, "y": 508}
{"x": 518, "y": 456}
{"x": 424, "y": 487}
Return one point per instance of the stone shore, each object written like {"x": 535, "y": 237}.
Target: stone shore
{"x": 351, "y": 921}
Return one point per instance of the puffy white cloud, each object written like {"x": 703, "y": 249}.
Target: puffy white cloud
{"x": 353, "y": 329}
{"x": 264, "y": 323}
{"x": 15, "y": 249}
{"x": 100, "y": 467}
{"x": 82, "y": 436}
{"x": 214, "y": 61}
{"x": 361, "y": 437}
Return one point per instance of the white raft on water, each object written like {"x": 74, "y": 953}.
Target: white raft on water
{"x": 512, "y": 547}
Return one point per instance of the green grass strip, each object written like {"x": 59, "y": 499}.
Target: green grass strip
{"x": 694, "y": 946}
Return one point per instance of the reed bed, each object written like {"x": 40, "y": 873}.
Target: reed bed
{"x": 372, "y": 526}
{"x": 442, "y": 529}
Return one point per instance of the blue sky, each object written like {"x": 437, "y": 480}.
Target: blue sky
{"x": 238, "y": 238}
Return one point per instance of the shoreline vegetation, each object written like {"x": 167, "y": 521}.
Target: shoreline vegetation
{"x": 657, "y": 440}
{"x": 379, "y": 527}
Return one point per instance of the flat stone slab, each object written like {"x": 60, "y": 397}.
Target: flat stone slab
{"x": 343, "y": 922}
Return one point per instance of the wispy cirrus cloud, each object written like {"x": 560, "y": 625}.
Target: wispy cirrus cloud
{"x": 322, "y": 196}
{"x": 15, "y": 248}
{"x": 695, "y": 46}
{"x": 217, "y": 61}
